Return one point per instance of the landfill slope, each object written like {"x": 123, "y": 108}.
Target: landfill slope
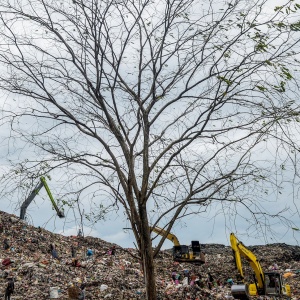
{"x": 38, "y": 275}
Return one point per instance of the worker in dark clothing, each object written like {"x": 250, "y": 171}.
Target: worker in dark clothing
{"x": 210, "y": 281}
{"x": 113, "y": 250}
{"x": 9, "y": 289}
{"x": 54, "y": 252}
{"x": 73, "y": 251}
{"x": 6, "y": 245}
{"x": 82, "y": 292}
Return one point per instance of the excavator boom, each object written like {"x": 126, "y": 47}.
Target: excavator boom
{"x": 59, "y": 213}
{"x": 169, "y": 235}
{"x": 239, "y": 249}
{"x": 32, "y": 195}
{"x": 27, "y": 202}
{"x": 266, "y": 283}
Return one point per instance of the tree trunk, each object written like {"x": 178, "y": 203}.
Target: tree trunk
{"x": 147, "y": 257}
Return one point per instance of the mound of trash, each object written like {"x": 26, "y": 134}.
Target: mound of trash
{"x": 44, "y": 265}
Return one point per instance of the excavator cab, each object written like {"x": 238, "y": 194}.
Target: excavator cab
{"x": 196, "y": 249}
{"x": 274, "y": 285}
{"x": 180, "y": 252}
{"x": 183, "y": 253}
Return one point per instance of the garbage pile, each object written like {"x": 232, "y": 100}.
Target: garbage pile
{"x": 45, "y": 265}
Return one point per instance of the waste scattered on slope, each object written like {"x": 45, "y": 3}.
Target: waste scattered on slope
{"x": 45, "y": 265}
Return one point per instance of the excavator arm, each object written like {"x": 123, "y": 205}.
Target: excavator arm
{"x": 264, "y": 280}
{"x": 169, "y": 235}
{"x": 59, "y": 212}
{"x": 26, "y": 203}
{"x": 240, "y": 250}
{"x": 244, "y": 290}
{"x": 32, "y": 195}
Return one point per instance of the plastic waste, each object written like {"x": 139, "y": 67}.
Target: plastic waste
{"x": 103, "y": 287}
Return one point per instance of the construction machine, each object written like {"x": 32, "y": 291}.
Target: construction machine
{"x": 32, "y": 195}
{"x": 182, "y": 253}
{"x": 269, "y": 283}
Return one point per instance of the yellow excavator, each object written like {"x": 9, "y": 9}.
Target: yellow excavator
{"x": 265, "y": 283}
{"x": 182, "y": 253}
{"x": 32, "y": 195}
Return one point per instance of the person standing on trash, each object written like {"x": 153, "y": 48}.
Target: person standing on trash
{"x": 89, "y": 253}
{"x": 187, "y": 275}
{"x": 9, "y": 288}
{"x": 113, "y": 250}
{"x": 173, "y": 275}
{"x": 73, "y": 251}
{"x": 53, "y": 252}
{"x": 6, "y": 245}
{"x": 82, "y": 292}
{"x": 230, "y": 282}
{"x": 210, "y": 281}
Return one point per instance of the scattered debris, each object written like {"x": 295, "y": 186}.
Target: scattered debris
{"x": 109, "y": 274}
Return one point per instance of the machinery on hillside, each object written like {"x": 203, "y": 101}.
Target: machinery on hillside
{"x": 265, "y": 283}
{"x": 32, "y": 195}
{"x": 183, "y": 253}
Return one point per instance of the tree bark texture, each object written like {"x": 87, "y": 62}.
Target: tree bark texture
{"x": 147, "y": 256}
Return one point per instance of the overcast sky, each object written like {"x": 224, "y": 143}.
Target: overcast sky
{"x": 206, "y": 227}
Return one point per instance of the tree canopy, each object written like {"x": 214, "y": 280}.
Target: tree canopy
{"x": 161, "y": 107}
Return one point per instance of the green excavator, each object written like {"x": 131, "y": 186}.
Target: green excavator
{"x": 32, "y": 195}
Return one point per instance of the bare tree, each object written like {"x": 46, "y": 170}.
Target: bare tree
{"x": 162, "y": 106}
